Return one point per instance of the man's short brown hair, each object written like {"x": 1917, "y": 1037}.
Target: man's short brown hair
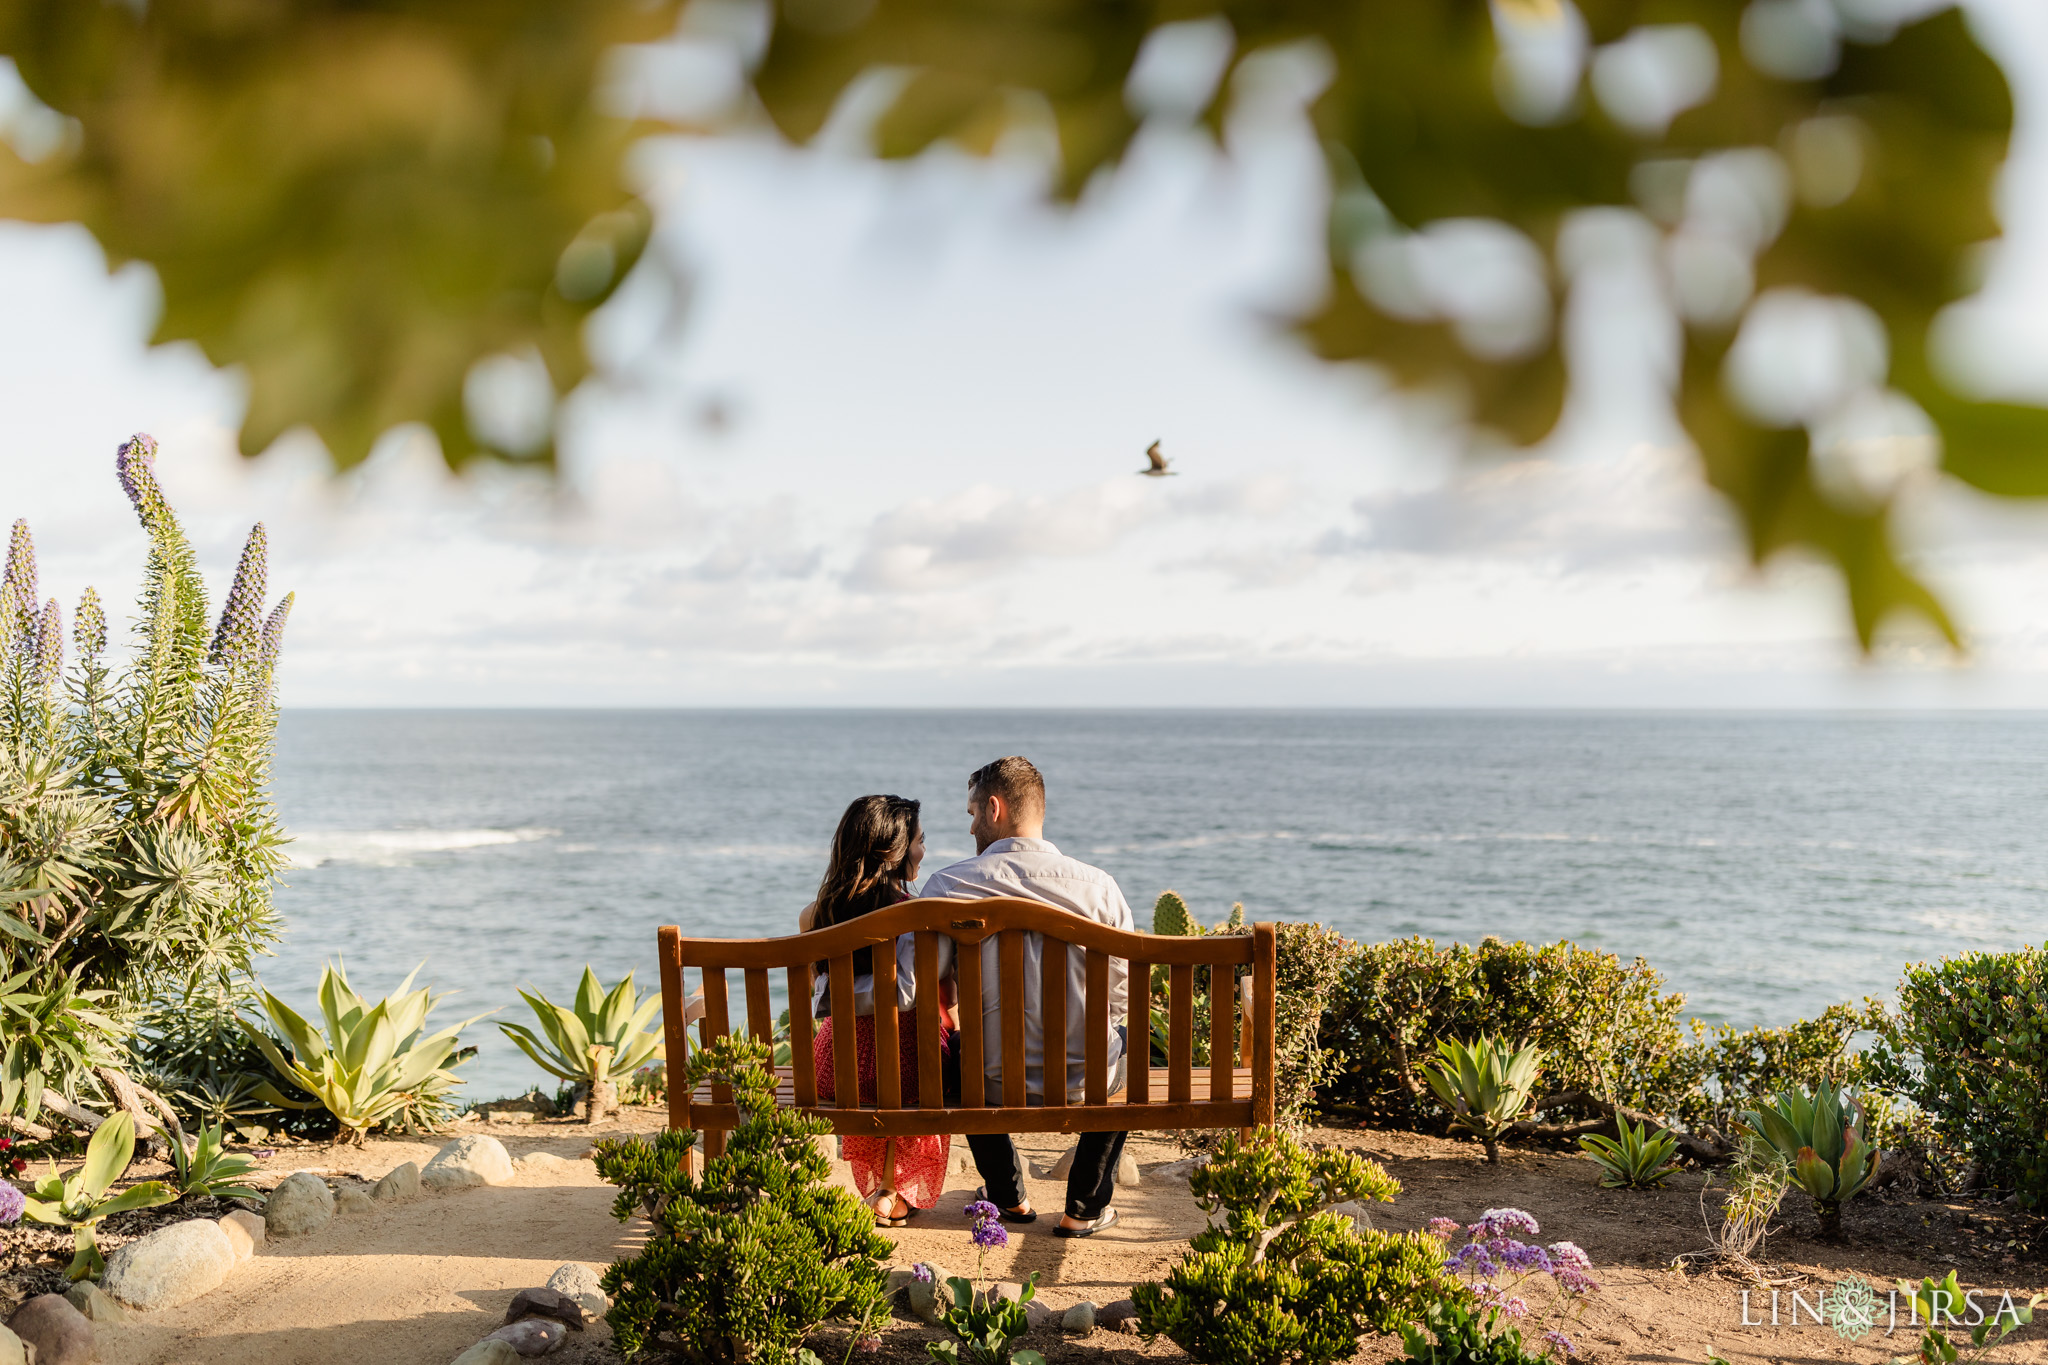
{"x": 1014, "y": 779}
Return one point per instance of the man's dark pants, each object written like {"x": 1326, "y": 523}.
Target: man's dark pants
{"x": 1091, "y": 1181}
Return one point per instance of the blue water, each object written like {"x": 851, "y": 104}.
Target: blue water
{"x": 1768, "y": 865}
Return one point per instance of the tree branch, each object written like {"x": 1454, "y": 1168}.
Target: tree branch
{"x": 16, "y": 1123}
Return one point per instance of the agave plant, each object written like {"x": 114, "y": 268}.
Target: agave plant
{"x": 1639, "y": 1159}
{"x": 374, "y": 1064}
{"x": 1485, "y": 1084}
{"x": 82, "y": 1201}
{"x": 1820, "y": 1138}
{"x": 209, "y": 1170}
{"x": 603, "y": 1036}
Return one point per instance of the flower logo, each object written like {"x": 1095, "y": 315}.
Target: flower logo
{"x": 1851, "y": 1308}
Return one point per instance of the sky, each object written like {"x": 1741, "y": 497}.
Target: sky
{"x": 884, "y": 453}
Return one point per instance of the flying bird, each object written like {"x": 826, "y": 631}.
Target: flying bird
{"x": 1157, "y": 468}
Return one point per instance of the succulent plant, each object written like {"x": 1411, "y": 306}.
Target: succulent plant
{"x": 1170, "y": 915}
{"x": 1820, "y": 1137}
{"x": 1639, "y": 1159}
{"x": 1485, "y": 1083}
{"x": 82, "y": 1201}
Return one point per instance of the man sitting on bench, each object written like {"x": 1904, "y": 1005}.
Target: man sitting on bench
{"x": 1006, "y": 801}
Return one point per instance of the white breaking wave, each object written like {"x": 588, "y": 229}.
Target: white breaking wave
{"x": 397, "y": 847}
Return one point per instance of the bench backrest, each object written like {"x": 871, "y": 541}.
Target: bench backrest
{"x": 1163, "y": 1100}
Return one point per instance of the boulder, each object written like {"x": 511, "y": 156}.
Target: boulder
{"x": 89, "y": 1299}
{"x": 1060, "y": 1169}
{"x": 1178, "y": 1170}
{"x": 244, "y": 1231}
{"x": 1360, "y": 1218}
{"x": 300, "y": 1204}
{"x": 579, "y": 1282}
{"x": 170, "y": 1266}
{"x": 925, "y": 1300}
{"x": 489, "y": 1351}
{"x": 532, "y": 1336}
{"x": 548, "y": 1164}
{"x": 13, "y": 1350}
{"x": 1127, "y": 1172}
{"x": 353, "y": 1199}
{"x": 400, "y": 1182}
{"x": 1080, "y": 1319}
{"x": 1120, "y": 1316}
{"x": 900, "y": 1277}
{"x": 545, "y": 1303}
{"x": 467, "y": 1161}
{"x": 57, "y": 1333}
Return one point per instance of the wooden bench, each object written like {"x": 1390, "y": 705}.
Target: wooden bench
{"x": 1238, "y": 1087}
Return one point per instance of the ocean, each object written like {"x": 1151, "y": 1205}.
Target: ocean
{"x": 1768, "y": 865}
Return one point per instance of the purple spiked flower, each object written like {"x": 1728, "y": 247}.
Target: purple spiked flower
{"x": 273, "y": 631}
{"x": 21, "y": 572}
{"x": 236, "y": 638}
{"x": 89, "y": 626}
{"x": 12, "y": 1202}
{"x": 50, "y": 644}
{"x": 135, "y": 465}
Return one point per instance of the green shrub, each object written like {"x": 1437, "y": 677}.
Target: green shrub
{"x": 134, "y": 801}
{"x": 1608, "y": 1029}
{"x": 604, "y": 1035}
{"x": 1279, "y": 1283}
{"x": 1819, "y": 1138}
{"x": 1486, "y": 1084}
{"x": 1732, "y": 1069}
{"x": 741, "y": 1264}
{"x": 1967, "y": 1043}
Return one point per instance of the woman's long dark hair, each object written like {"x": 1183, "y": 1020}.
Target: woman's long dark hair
{"x": 870, "y": 861}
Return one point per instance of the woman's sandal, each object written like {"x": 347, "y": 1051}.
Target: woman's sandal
{"x": 1008, "y": 1215}
{"x": 874, "y": 1201}
{"x": 1107, "y": 1219}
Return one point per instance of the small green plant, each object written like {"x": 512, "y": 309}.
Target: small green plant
{"x": 1452, "y": 1332}
{"x": 1756, "y": 1187}
{"x": 1943, "y": 1301}
{"x": 375, "y": 1064}
{"x": 1485, "y": 1084}
{"x": 986, "y": 1326}
{"x": 1279, "y": 1281}
{"x": 604, "y": 1035}
{"x": 742, "y": 1264}
{"x": 1170, "y": 915}
{"x": 1639, "y": 1159}
{"x": 82, "y": 1201}
{"x": 209, "y": 1170}
{"x": 1820, "y": 1140}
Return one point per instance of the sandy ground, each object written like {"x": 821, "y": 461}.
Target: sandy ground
{"x": 420, "y": 1282}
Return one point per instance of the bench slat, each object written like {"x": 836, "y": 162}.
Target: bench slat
{"x": 1052, "y": 1000}
{"x": 1096, "y": 1073}
{"x": 760, "y": 1021}
{"x": 888, "y": 1049}
{"x": 1138, "y": 1031}
{"x": 1222, "y": 1031}
{"x": 930, "y": 1061}
{"x": 716, "y": 1023}
{"x": 802, "y": 1050}
{"x": 1010, "y": 993}
{"x": 1265, "y": 964}
{"x": 1180, "y": 1033}
{"x": 675, "y": 1031}
{"x": 973, "y": 1068}
{"x": 845, "y": 1041}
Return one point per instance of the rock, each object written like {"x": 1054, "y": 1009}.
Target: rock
{"x": 467, "y": 1161}
{"x": 1178, "y": 1170}
{"x": 579, "y": 1282}
{"x": 925, "y": 1302}
{"x": 545, "y": 1303}
{"x": 13, "y": 1350}
{"x": 89, "y": 1299}
{"x": 532, "y": 1336}
{"x": 1009, "y": 1291}
{"x": 400, "y": 1182}
{"x": 353, "y": 1199}
{"x": 1080, "y": 1319}
{"x": 548, "y": 1164}
{"x": 489, "y": 1351}
{"x": 1360, "y": 1218}
{"x": 1120, "y": 1316}
{"x": 300, "y": 1204}
{"x": 1127, "y": 1172}
{"x": 963, "y": 1161}
{"x": 57, "y": 1333}
{"x": 245, "y": 1232}
{"x": 1038, "y": 1316}
{"x": 1059, "y": 1169}
{"x": 900, "y": 1277}
{"x": 170, "y": 1266}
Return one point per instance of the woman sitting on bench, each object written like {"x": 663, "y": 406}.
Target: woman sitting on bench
{"x": 875, "y": 858}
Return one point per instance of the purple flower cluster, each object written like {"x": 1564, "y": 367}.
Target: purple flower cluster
{"x": 237, "y": 637}
{"x": 1445, "y": 1228}
{"x": 135, "y": 464}
{"x": 89, "y": 627}
{"x": 988, "y": 1231}
{"x": 1561, "y": 1342}
{"x": 921, "y": 1272}
{"x": 1576, "y": 1283}
{"x": 1500, "y": 1222}
{"x": 50, "y": 645}
{"x": 12, "y": 1202}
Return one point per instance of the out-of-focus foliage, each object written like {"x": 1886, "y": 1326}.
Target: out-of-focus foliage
{"x": 1797, "y": 178}
{"x": 355, "y": 203}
